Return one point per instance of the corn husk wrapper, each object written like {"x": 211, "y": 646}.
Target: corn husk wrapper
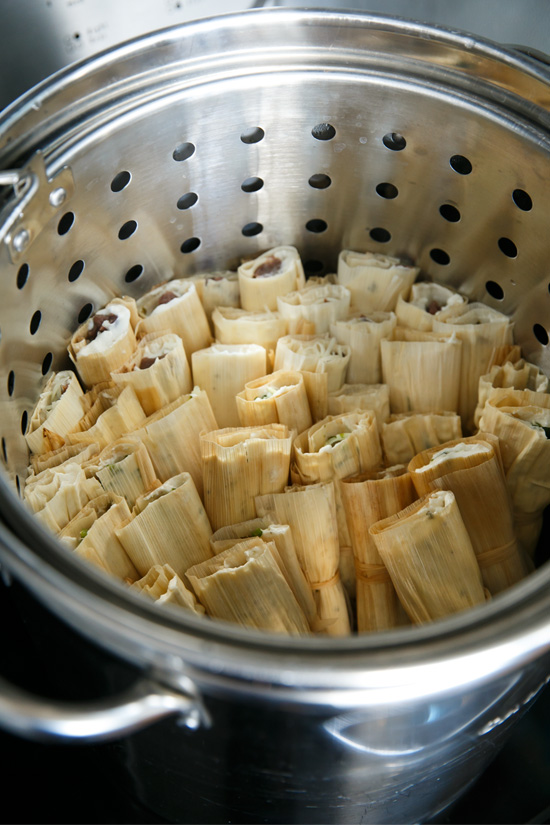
{"x": 352, "y": 397}
{"x": 279, "y": 398}
{"x": 164, "y": 586}
{"x": 91, "y": 534}
{"x": 482, "y": 331}
{"x": 276, "y": 272}
{"x": 222, "y": 371}
{"x": 311, "y": 513}
{"x": 217, "y": 289}
{"x": 241, "y": 326}
{"x": 375, "y": 281}
{"x": 363, "y": 334}
{"x": 123, "y": 414}
{"x": 281, "y": 536}
{"x": 318, "y": 455}
{"x": 523, "y": 434}
{"x": 57, "y": 412}
{"x": 422, "y": 375}
{"x": 425, "y": 301}
{"x": 114, "y": 344}
{"x": 158, "y": 371}
{"x": 318, "y": 306}
{"x": 244, "y": 584}
{"x": 75, "y": 453}
{"x": 368, "y": 498}
{"x": 407, "y": 434}
{"x": 125, "y": 469}
{"x": 170, "y": 526}
{"x": 428, "y": 553}
{"x": 520, "y": 375}
{"x": 240, "y": 463}
{"x": 478, "y": 483}
{"x": 175, "y": 307}
{"x": 57, "y": 494}
{"x": 171, "y": 436}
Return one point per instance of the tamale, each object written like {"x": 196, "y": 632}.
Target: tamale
{"x": 374, "y": 280}
{"x": 518, "y": 375}
{"x": 368, "y": 498}
{"x": 425, "y": 301}
{"x": 319, "y": 306}
{"x": 158, "y": 371}
{"x": 279, "y": 398}
{"x": 124, "y": 468}
{"x": 123, "y": 414}
{"x": 428, "y": 553}
{"x": 472, "y": 469}
{"x": 217, "y": 289}
{"x": 245, "y": 585}
{"x": 275, "y": 272}
{"x": 104, "y": 342}
{"x": 170, "y": 526}
{"x": 57, "y": 412}
{"x": 406, "y": 434}
{"x": 240, "y": 463}
{"x": 241, "y": 326}
{"x": 164, "y": 586}
{"x": 222, "y": 370}
{"x": 351, "y": 397}
{"x": 314, "y": 355}
{"x": 77, "y": 453}
{"x": 175, "y": 307}
{"x": 363, "y": 334}
{"x": 57, "y": 494}
{"x": 311, "y": 513}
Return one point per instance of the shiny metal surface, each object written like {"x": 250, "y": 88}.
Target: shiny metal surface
{"x": 400, "y": 722}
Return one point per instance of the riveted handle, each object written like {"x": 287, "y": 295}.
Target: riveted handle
{"x": 146, "y": 702}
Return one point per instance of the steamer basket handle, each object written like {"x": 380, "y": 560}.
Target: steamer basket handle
{"x": 32, "y": 717}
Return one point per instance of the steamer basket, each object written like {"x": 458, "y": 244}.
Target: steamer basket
{"x": 181, "y": 152}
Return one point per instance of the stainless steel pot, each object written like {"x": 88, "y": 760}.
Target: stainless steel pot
{"x": 322, "y": 130}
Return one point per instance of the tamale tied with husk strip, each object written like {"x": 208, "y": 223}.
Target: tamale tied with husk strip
{"x": 368, "y": 498}
{"x": 472, "y": 469}
{"x": 244, "y": 584}
{"x": 428, "y": 553}
{"x": 311, "y": 513}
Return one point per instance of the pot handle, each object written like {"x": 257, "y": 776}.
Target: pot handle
{"x": 146, "y": 702}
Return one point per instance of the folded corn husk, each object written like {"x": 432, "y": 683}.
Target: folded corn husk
{"x": 281, "y": 536}
{"x": 171, "y": 436}
{"x": 334, "y": 448}
{"x": 124, "y": 468}
{"x": 123, "y": 413}
{"x": 217, "y": 289}
{"x": 57, "y": 494}
{"x": 158, "y": 371}
{"x": 104, "y": 342}
{"x": 170, "y": 526}
{"x": 164, "y": 586}
{"x": 425, "y": 301}
{"x": 430, "y": 558}
{"x": 279, "y": 398}
{"x": 351, "y": 397}
{"x": 319, "y": 306}
{"x": 175, "y": 307}
{"x": 276, "y": 272}
{"x": 241, "y": 326}
{"x": 239, "y": 464}
{"x": 520, "y": 375}
{"x": 75, "y": 453}
{"x": 91, "y": 534}
{"x": 58, "y": 411}
{"x": 523, "y": 434}
{"x": 472, "y": 469}
{"x": 245, "y": 585}
{"x": 368, "y": 498}
{"x": 375, "y": 281}
{"x": 407, "y": 434}
{"x": 322, "y": 362}
{"x": 363, "y": 334}
{"x": 311, "y": 513}
{"x": 422, "y": 371}
{"x": 222, "y": 371}
{"x": 482, "y": 331}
